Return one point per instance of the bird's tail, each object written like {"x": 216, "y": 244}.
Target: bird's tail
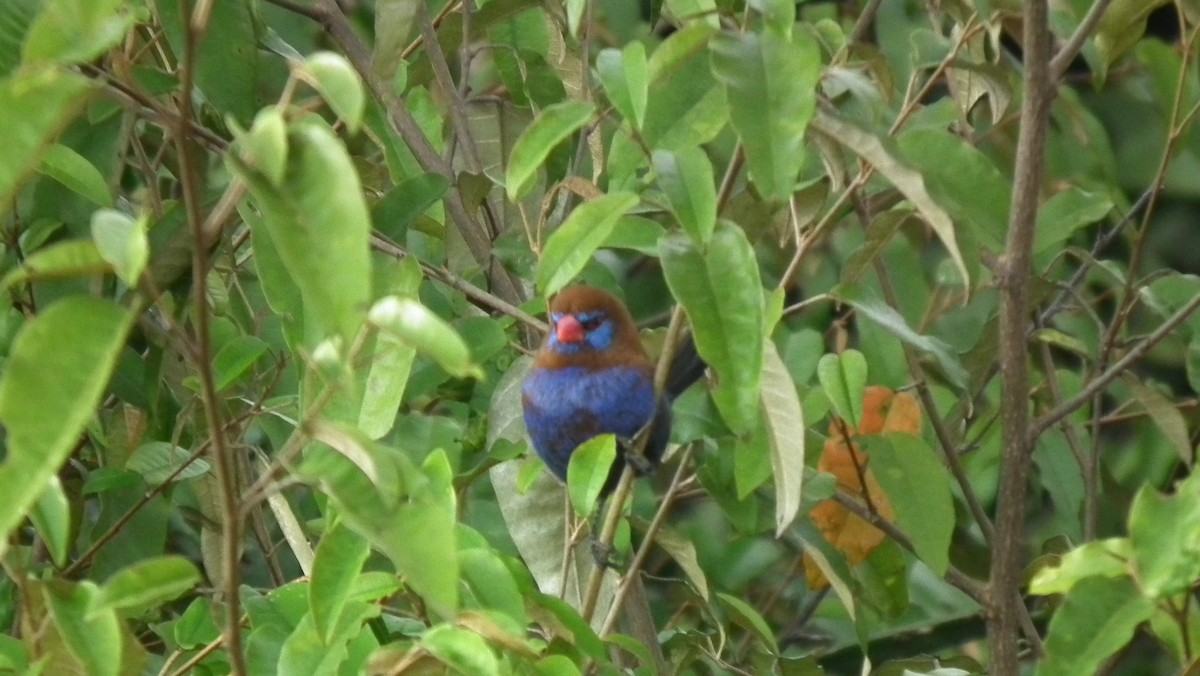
{"x": 686, "y": 368}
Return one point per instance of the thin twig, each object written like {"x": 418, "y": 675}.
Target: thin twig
{"x": 1070, "y": 49}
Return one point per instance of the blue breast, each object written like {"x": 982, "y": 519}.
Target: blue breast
{"x": 566, "y": 407}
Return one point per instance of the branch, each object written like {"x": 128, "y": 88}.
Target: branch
{"x": 1062, "y": 60}
{"x": 1013, "y": 272}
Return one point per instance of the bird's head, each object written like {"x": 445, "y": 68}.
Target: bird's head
{"x": 586, "y": 320}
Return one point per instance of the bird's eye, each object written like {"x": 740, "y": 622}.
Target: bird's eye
{"x": 589, "y": 323}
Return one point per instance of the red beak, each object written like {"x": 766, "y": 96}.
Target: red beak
{"x": 569, "y": 330}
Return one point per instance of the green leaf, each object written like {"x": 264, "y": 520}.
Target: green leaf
{"x": 547, "y": 130}
{"x": 62, "y": 260}
{"x": 720, "y": 288}
{"x": 785, "y": 433}
{"x": 908, "y": 181}
{"x": 918, "y": 488}
{"x": 1165, "y": 533}
{"x": 750, "y": 619}
{"x": 51, "y": 516}
{"x": 265, "y": 146}
{"x": 683, "y": 551}
{"x": 94, "y": 638}
{"x": 588, "y": 471}
{"x": 890, "y": 320}
{"x": 415, "y": 325}
{"x": 1121, "y": 27}
{"x": 770, "y": 83}
{"x": 1065, "y": 213}
{"x": 492, "y": 584}
{"x": 36, "y": 105}
{"x": 844, "y": 379}
{"x": 77, "y": 31}
{"x": 464, "y": 651}
{"x": 624, "y": 77}
{"x": 686, "y": 178}
{"x": 235, "y": 358}
{"x": 122, "y": 242}
{"x": 1097, "y": 619}
{"x": 571, "y": 245}
{"x": 338, "y": 562}
{"x": 333, "y": 76}
{"x": 1104, "y": 558}
{"x": 74, "y": 171}
{"x": 1165, "y": 414}
{"x": 400, "y": 208}
{"x": 157, "y": 460}
{"x": 56, "y": 372}
{"x": 146, "y": 583}
{"x": 330, "y": 265}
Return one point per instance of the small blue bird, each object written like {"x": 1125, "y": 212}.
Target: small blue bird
{"x": 593, "y": 377}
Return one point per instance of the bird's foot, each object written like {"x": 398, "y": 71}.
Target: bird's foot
{"x": 605, "y": 555}
{"x": 641, "y": 464}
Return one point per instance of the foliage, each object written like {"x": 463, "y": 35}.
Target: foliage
{"x": 273, "y": 268}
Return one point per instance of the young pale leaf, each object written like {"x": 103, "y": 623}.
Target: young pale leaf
{"x": 1165, "y": 532}
{"x": 415, "y": 325}
{"x": 94, "y": 638}
{"x": 77, "y": 31}
{"x": 339, "y": 560}
{"x": 122, "y": 242}
{"x": 720, "y": 288}
{"x": 770, "y": 82}
{"x": 391, "y": 365}
{"x": 623, "y": 75}
{"x": 37, "y": 103}
{"x": 51, "y": 516}
{"x": 56, "y": 372}
{"x": 844, "y": 379}
{"x": 1097, "y": 618}
{"x": 465, "y": 652}
{"x": 908, "y": 181}
{"x": 147, "y": 582}
{"x": 333, "y": 76}
{"x": 547, "y": 130}
{"x": 61, "y": 260}
{"x": 785, "y": 433}
{"x": 317, "y": 222}
{"x": 1105, "y": 558}
{"x": 588, "y": 470}
{"x": 265, "y": 147}
{"x": 686, "y": 178}
{"x": 73, "y": 170}
{"x": 918, "y": 488}
{"x": 571, "y": 245}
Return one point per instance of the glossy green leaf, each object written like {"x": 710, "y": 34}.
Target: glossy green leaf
{"x": 720, "y": 288}
{"x": 568, "y": 249}
{"x": 413, "y": 324}
{"x": 52, "y": 382}
{"x": 62, "y": 260}
{"x": 73, "y": 170}
{"x": 686, "y": 178}
{"x": 51, "y": 516}
{"x": 770, "y": 83}
{"x": 122, "y": 242}
{"x": 547, "y": 130}
{"x": 339, "y": 560}
{"x": 1165, "y": 533}
{"x": 156, "y": 461}
{"x": 330, "y": 265}
{"x": 1098, "y": 617}
{"x": 464, "y": 651}
{"x": 588, "y": 470}
{"x": 785, "y": 433}
{"x": 623, "y": 73}
{"x": 844, "y": 379}
{"x": 36, "y": 105}
{"x": 890, "y": 320}
{"x": 908, "y": 181}
{"x": 336, "y": 79}
{"x": 919, "y": 489}
{"x": 1104, "y": 558}
{"x": 148, "y": 582}
{"x": 77, "y": 31}
{"x": 493, "y": 584}
{"x": 94, "y": 638}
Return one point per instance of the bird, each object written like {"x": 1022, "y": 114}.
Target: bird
{"x": 592, "y": 376}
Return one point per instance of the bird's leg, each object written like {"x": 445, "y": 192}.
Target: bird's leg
{"x": 638, "y": 461}
{"x": 602, "y": 552}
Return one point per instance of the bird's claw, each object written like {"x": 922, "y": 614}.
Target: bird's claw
{"x": 603, "y": 555}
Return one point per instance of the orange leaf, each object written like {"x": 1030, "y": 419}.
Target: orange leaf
{"x": 884, "y": 411}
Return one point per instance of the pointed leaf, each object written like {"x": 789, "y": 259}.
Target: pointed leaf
{"x": 570, "y": 247}
{"x": 336, "y": 79}
{"x": 844, "y": 379}
{"x": 73, "y": 170}
{"x": 918, "y": 488}
{"x": 588, "y": 471}
{"x": 547, "y": 130}
{"x": 413, "y": 324}
{"x": 686, "y": 178}
{"x": 122, "y": 242}
{"x": 785, "y": 432}
{"x": 148, "y": 582}
{"x": 339, "y": 560}
{"x": 1098, "y": 617}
